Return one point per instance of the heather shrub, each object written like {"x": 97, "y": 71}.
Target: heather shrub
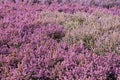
{"x": 29, "y": 39}
{"x": 77, "y": 24}
{"x": 97, "y": 31}
{"x": 66, "y": 8}
{"x": 103, "y": 3}
{"x": 42, "y": 55}
{"x": 39, "y": 52}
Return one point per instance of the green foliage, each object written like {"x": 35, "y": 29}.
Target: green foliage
{"x": 73, "y": 23}
{"x": 89, "y": 41}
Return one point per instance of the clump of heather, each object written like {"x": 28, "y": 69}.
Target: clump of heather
{"x": 97, "y": 31}
{"x": 103, "y": 3}
{"x": 66, "y": 8}
{"x": 40, "y": 53}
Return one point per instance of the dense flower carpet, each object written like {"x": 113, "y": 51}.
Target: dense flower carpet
{"x": 59, "y": 40}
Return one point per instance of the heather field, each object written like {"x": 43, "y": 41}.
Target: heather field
{"x": 59, "y": 40}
